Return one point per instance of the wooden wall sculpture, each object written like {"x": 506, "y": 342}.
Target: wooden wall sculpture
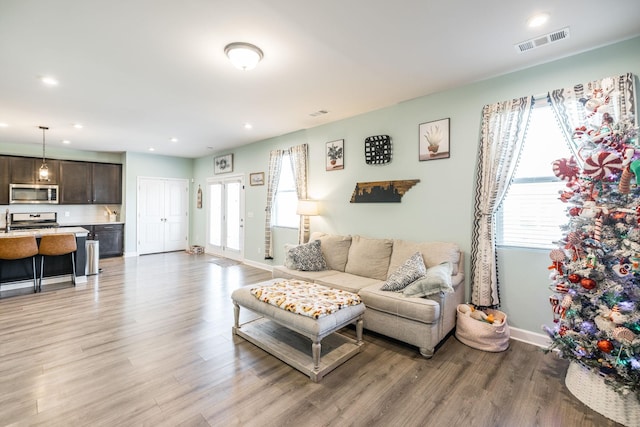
{"x": 382, "y": 191}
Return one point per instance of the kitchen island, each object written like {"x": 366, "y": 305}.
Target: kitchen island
{"x": 17, "y": 274}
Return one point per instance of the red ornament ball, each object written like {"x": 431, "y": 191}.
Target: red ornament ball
{"x": 574, "y": 278}
{"x": 605, "y": 346}
{"x": 574, "y": 211}
{"x": 587, "y": 283}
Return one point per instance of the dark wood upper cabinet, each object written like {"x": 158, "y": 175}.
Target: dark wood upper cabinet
{"x": 4, "y": 180}
{"x": 25, "y": 170}
{"x": 87, "y": 183}
{"x": 107, "y": 183}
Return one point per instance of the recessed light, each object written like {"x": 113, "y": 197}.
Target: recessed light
{"x": 66, "y": 141}
{"x": 78, "y": 125}
{"x": 49, "y": 81}
{"x": 3, "y": 125}
{"x": 538, "y": 20}
{"x": 152, "y": 149}
{"x": 248, "y": 126}
{"x": 173, "y": 139}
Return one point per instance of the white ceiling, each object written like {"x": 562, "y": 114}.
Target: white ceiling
{"x": 137, "y": 72}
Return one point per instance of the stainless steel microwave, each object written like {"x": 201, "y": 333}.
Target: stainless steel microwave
{"x": 33, "y": 193}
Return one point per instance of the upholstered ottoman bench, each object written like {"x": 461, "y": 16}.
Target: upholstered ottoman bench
{"x": 313, "y": 312}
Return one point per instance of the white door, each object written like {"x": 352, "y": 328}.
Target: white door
{"x": 163, "y": 215}
{"x": 225, "y": 223}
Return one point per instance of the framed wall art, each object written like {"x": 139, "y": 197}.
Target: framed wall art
{"x": 256, "y": 178}
{"x": 434, "y": 140}
{"x": 223, "y": 164}
{"x": 335, "y": 155}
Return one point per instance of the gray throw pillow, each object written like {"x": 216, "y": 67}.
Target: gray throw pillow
{"x": 307, "y": 257}
{"x": 437, "y": 279}
{"x": 412, "y": 269}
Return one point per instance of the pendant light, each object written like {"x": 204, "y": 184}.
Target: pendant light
{"x": 43, "y": 174}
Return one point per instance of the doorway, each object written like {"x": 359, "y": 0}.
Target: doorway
{"x": 163, "y": 215}
{"x": 225, "y": 217}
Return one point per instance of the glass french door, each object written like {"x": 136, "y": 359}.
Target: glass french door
{"x": 225, "y": 223}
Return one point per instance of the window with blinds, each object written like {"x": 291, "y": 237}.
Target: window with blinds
{"x": 531, "y": 214}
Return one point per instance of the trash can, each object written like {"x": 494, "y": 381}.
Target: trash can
{"x": 93, "y": 257}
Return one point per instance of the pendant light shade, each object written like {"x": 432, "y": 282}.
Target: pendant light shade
{"x": 43, "y": 173}
{"x": 244, "y": 56}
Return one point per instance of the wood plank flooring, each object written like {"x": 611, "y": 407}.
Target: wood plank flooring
{"x": 148, "y": 342}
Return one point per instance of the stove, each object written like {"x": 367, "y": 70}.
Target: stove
{"x": 28, "y": 221}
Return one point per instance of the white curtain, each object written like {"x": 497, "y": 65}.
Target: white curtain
{"x": 275, "y": 165}
{"x": 585, "y": 104}
{"x": 502, "y": 134}
{"x": 299, "y": 155}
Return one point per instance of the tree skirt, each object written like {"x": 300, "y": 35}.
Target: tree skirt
{"x": 590, "y": 388}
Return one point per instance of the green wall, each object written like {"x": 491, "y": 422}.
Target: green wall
{"x": 440, "y": 207}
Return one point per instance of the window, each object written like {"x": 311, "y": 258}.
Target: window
{"x": 531, "y": 214}
{"x": 286, "y": 200}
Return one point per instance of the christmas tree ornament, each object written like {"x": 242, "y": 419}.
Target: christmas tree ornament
{"x": 574, "y": 278}
{"x": 566, "y": 169}
{"x": 602, "y": 164}
{"x": 625, "y": 181}
{"x": 587, "y": 283}
{"x": 605, "y": 346}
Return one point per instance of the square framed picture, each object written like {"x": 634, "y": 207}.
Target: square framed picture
{"x": 434, "y": 140}
{"x": 256, "y": 178}
{"x": 335, "y": 155}
{"x": 223, "y": 164}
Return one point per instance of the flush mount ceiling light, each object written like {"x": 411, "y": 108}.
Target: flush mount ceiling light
{"x": 537, "y": 20}
{"x": 243, "y": 56}
{"x": 49, "y": 81}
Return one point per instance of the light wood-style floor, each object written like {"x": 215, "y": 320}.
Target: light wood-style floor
{"x": 148, "y": 342}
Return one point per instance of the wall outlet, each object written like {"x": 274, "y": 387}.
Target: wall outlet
{"x": 67, "y": 213}
{"x": 259, "y": 249}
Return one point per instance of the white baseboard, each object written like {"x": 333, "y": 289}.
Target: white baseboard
{"x": 259, "y": 265}
{"x": 534, "y": 338}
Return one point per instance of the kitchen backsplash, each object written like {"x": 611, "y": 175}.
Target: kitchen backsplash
{"x": 68, "y": 214}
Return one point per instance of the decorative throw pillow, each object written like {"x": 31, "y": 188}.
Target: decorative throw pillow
{"x": 288, "y": 261}
{"x": 437, "y": 279}
{"x": 307, "y": 257}
{"x": 412, "y": 269}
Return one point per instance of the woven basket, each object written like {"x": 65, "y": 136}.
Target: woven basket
{"x": 589, "y": 387}
{"x": 481, "y": 335}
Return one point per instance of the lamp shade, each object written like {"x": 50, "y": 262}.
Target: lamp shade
{"x": 307, "y": 207}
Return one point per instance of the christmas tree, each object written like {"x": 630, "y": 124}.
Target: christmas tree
{"x": 595, "y": 270}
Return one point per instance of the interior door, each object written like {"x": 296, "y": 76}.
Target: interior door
{"x": 225, "y": 223}
{"x": 163, "y": 215}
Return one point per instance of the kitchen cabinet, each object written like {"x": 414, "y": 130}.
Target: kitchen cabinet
{"x": 110, "y": 236}
{"x": 4, "y": 180}
{"x": 89, "y": 183}
{"x": 24, "y": 170}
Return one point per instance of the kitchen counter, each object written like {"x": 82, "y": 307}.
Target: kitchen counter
{"x": 39, "y": 232}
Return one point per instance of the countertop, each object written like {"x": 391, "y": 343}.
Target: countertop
{"x": 39, "y": 232}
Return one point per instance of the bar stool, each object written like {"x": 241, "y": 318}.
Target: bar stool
{"x": 14, "y": 248}
{"x": 56, "y": 245}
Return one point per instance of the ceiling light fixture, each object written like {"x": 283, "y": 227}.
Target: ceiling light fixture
{"x": 66, "y": 141}
{"x": 78, "y": 126}
{"x": 43, "y": 173}
{"x": 243, "y": 56}
{"x": 174, "y": 139}
{"x": 49, "y": 81}
{"x": 248, "y": 126}
{"x": 3, "y": 125}
{"x": 538, "y": 20}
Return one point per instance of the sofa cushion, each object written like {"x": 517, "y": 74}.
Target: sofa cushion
{"x": 335, "y": 249}
{"x": 437, "y": 279}
{"x": 433, "y": 253}
{"x": 347, "y": 282}
{"x": 423, "y": 310}
{"x": 370, "y": 257}
{"x": 411, "y": 270}
{"x": 280, "y": 271}
{"x": 307, "y": 257}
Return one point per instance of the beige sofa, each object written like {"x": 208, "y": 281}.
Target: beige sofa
{"x": 361, "y": 265}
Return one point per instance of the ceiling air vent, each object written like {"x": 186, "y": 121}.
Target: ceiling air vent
{"x": 552, "y": 37}
{"x": 318, "y": 113}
